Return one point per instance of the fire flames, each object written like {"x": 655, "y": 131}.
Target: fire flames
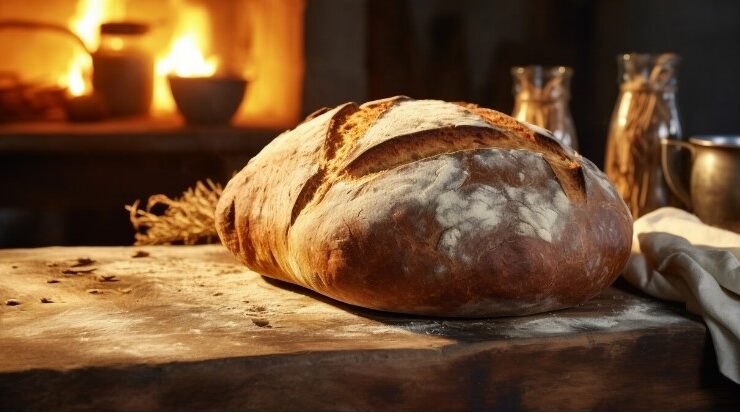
{"x": 85, "y": 24}
{"x": 261, "y": 41}
{"x": 184, "y": 57}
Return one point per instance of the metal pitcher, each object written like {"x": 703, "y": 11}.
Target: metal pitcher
{"x": 713, "y": 190}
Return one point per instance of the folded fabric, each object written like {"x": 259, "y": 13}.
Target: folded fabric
{"x": 677, "y": 257}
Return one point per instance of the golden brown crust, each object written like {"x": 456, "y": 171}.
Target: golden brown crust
{"x": 427, "y": 207}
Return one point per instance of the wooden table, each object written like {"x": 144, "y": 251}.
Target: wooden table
{"x": 190, "y": 328}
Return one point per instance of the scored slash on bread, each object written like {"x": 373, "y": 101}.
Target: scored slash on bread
{"x": 346, "y": 154}
{"x": 321, "y": 207}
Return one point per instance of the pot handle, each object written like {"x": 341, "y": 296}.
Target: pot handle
{"x": 668, "y": 164}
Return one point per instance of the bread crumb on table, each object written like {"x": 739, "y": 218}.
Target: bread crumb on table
{"x": 261, "y": 322}
{"x": 70, "y": 271}
{"x": 83, "y": 262}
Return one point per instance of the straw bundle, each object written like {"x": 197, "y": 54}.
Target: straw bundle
{"x": 633, "y": 151}
{"x": 188, "y": 219}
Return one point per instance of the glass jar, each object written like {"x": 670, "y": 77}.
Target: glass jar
{"x": 645, "y": 113}
{"x": 123, "y": 69}
{"x": 541, "y": 96}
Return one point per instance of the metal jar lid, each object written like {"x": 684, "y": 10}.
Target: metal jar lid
{"x": 724, "y": 141}
{"x": 124, "y": 28}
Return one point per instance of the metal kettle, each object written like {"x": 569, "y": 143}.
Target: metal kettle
{"x": 713, "y": 187}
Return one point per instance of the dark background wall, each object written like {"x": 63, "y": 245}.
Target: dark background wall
{"x": 357, "y": 50}
{"x": 462, "y": 50}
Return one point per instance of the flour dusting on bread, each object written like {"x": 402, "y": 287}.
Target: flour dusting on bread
{"x": 404, "y": 119}
{"x": 538, "y": 211}
{"x": 464, "y": 211}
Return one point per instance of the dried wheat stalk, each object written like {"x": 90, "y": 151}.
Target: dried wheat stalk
{"x": 633, "y": 147}
{"x": 544, "y": 103}
{"x": 189, "y": 219}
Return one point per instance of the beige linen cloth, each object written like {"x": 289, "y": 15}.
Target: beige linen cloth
{"x": 677, "y": 257}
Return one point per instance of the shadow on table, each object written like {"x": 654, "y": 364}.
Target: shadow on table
{"x": 620, "y": 307}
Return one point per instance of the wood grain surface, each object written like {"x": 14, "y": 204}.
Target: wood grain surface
{"x": 189, "y": 328}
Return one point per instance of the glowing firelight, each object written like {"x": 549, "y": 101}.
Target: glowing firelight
{"x": 76, "y": 81}
{"x": 186, "y": 60}
{"x": 184, "y": 57}
{"x": 85, "y": 24}
{"x": 259, "y": 40}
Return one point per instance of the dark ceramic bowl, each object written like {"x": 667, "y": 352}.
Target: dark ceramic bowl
{"x": 207, "y": 100}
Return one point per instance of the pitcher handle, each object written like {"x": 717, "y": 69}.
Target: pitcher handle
{"x": 672, "y": 177}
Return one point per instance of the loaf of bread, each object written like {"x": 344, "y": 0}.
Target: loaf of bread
{"x": 427, "y": 207}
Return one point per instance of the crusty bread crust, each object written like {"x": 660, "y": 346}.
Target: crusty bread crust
{"x": 427, "y": 207}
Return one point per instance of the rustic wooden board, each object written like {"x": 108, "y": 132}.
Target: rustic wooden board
{"x": 190, "y": 328}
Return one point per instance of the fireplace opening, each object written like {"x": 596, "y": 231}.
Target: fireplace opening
{"x": 91, "y": 60}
